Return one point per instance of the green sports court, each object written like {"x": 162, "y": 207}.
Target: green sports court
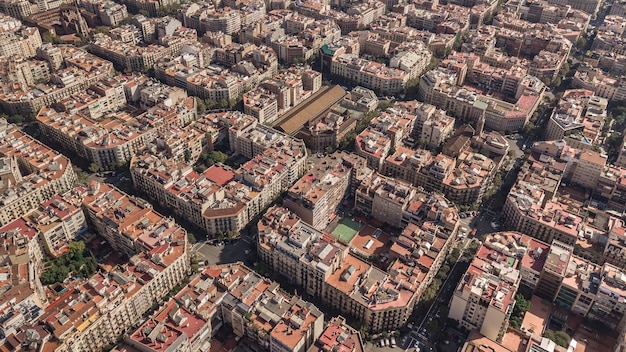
{"x": 346, "y": 230}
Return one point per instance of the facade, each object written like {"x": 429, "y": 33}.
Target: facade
{"x": 385, "y": 198}
{"x": 42, "y": 173}
{"x": 262, "y": 104}
{"x": 369, "y": 74}
{"x": 118, "y": 137}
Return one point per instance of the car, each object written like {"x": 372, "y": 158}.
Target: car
{"x": 495, "y": 225}
{"x": 392, "y": 341}
{"x": 463, "y": 216}
{"x": 386, "y": 341}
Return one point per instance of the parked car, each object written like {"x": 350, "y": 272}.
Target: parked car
{"x": 393, "y": 341}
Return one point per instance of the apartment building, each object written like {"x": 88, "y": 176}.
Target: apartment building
{"x": 216, "y": 85}
{"x": 234, "y": 295}
{"x": 22, "y": 241}
{"x": 182, "y": 144}
{"x": 439, "y": 87}
{"x": 262, "y": 104}
{"x": 116, "y": 300}
{"x": 17, "y": 39}
{"x": 23, "y": 297}
{"x": 95, "y": 102}
{"x": 435, "y": 129}
{"x": 579, "y": 118}
{"x": 151, "y": 6}
{"x": 318, "y": 194}
{"x": 129, "y": 56}
{"x": 386, "y": 199}
{"x": 463, "y": 179}
{"x": 88, "y": 313}
{"x": 41, "y": 173}
{"x": 228, "y": 199}
{"x": 608, "y": 306}
{"x": 338, "y": 334}
{"x": 109, "y": 12}
{"x": 604, "y": 85}
{"x": 57, "y": 221}
{"x": 116, "y": 138}
{"x": 204, "y": 18}
{"x": 81, "y": 71}
{"x": 23, "y": 71}
{"x": 535, "y": 213}
{"x": 18, "y": 8}
{"x": 485, "y": 296}
{"x": 369, "y": 74}
{"x": 588, "y": 6}
{"x": 325, "y": 268}
{"x": 405, "y": 164}
{"x": 587, "y": 169}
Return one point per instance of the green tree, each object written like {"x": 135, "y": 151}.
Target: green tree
{"x": 561, "y": 338}
{"x": 187, "y": 155}
{"x": 102, "y": 29}
{"x": 200, "y": 106}
{"x": 15, "y": 119}
{"x": 47, "y": 37}
{"x": 217, "y": 157}
{"x": 191, "y": 238}
{"x": 93, "y": 167}
{"x": 528, "y": 127}
{"x": 75, "y": 250}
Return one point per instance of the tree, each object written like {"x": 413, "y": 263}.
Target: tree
{"x": 15, "y": 119}
{"x": 73, "y": 261}
{"x": 522, "y": 305}
{"x": 561, "y": 338}
{"x": 47, "y": 37}
{"x": 75, "y": 250}
{"x": 187, "y": 155}
{"x": 217, "y": 157}
{"x": 93, "y": 167}
{"x": 528, "y": 127}
{"x": 200, "y": 106}
{"x": 102, "y": 29}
